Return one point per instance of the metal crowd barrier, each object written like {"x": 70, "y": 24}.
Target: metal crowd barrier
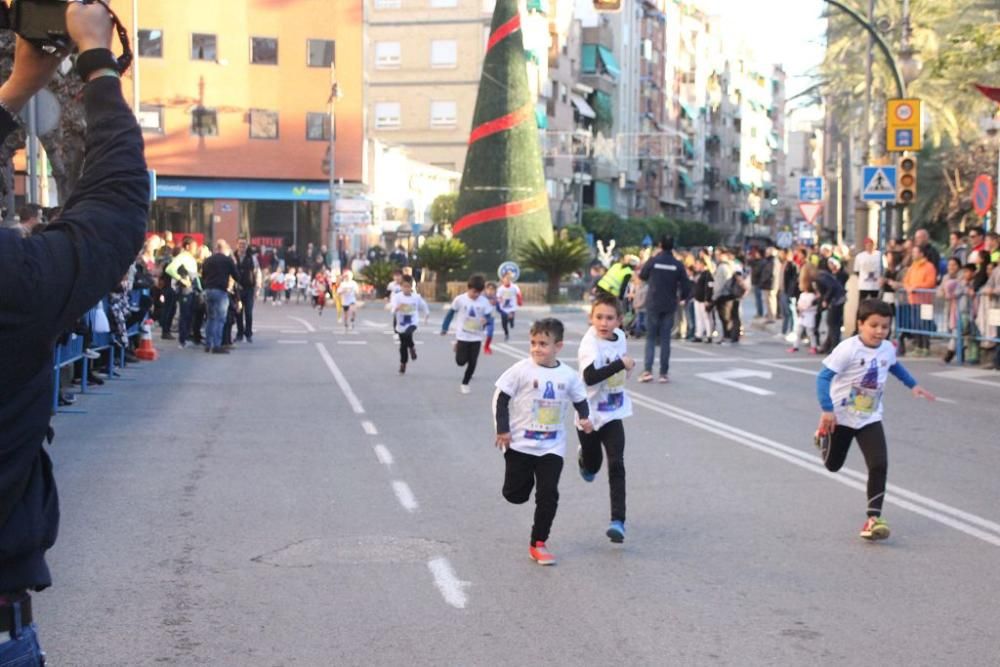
{"x": 968, "y": 322}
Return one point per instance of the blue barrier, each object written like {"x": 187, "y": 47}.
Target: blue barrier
{"x": 65, "y": 354}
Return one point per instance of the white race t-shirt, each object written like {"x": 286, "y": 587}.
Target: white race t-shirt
{"x": 507, "y": 297}
{"x": 868, "y": 266}
{"x": 540, "y": 398}
{"x": 608, "y": 400}
{"x": 806, "y": 305}
{"x": 407, "y": 309}
{"x": 348, "y": 291}
{"x": 470, "y": 316}
{"x": 393, "y": 288}
{"x": 861, "y": 374}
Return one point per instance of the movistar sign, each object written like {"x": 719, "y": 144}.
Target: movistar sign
{"x": 193, "y": 188}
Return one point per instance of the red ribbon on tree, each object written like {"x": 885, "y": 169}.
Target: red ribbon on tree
{"x": 990, "y": 92}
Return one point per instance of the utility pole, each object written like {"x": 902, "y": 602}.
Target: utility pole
{"x": 32, "y": 150}
{"x": 862, "y": 209}
{"x": 135, "y": 61}
{"x": 334, "y": 96}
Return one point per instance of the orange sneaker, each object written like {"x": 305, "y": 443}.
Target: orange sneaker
{"x": 875, "y": 528}
{"x": 540, "y": 554}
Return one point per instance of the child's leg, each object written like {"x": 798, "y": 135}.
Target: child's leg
{"x": 505, "y": 322}
{"x": 405, "y": 341}
{"x": 547, "y": 471}
{"x": 519, "y": 476}
{"x": 613, "y": 436}
{"x": 840, "y": 443}
{"x": 591, "y": 456}
{"x": 871, "y": 440}
{"x": 511, "y": 319}
{"x": 461, "y": 353}
{"x": 472, "y": 352}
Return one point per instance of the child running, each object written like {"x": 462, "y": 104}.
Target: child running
{"x": 348, "y": 292}
{"x": 604, "y": 365}
{"x": 474, "y": 317}
{"x": 508, "y": 300}
{"x": 805, "y": 305}
{"x": 320, "y": 286}
{"x": 530, "y": 407}
{"x": 850, "y": 389}
{"x": 406, "y": 306}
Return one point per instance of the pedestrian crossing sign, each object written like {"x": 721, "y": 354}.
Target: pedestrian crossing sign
{"x": 878, "y": 183}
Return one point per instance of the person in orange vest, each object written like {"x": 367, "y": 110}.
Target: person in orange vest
{"x": 922, "y": 275}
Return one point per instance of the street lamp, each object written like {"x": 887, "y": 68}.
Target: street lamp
{"x": 335, "y": 95}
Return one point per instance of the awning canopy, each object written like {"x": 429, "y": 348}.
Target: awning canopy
{"x": 686, "y": 180}
{"x": 541, "y": 119}
{"x": 588, "y": 58}
{"x": 688, "y": 148}
{"x": 582, "y": 107}
{"x": 603, "y": 195}
{"x": 689, "y": 111}
{"x": 608, "y": 59}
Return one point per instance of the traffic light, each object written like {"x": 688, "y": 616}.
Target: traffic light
{"x": 906, "y": 180}
{"x": 607, "y": 5}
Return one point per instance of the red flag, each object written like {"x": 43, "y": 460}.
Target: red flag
{"x": 992, "y": 93}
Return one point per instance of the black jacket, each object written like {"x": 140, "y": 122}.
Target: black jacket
{"x": 47, "y": 281}
{"x": 831, "y": 292}
{"x": 247, "y": 270}
{"x": 668, "y": 281}
{"x": 216, "y": 272}
{"x": 703, "y": 286}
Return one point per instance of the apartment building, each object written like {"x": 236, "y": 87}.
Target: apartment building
{"x": 233, "y": 102}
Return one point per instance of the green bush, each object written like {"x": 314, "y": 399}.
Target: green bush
{"x": 442, "y": 256}
{"x": 555, "y": 260}
{"x": 378, "y": 274}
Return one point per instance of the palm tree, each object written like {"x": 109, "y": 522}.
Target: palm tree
{"x": 556, "y": 259}
{"x": 442, "y": 256}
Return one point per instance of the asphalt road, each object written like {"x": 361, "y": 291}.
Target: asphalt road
{"x": 299, "y": 503}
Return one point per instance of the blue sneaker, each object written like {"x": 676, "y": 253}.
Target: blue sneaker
{"x": 587, "y": 476}
{"x": 616, "y": 532}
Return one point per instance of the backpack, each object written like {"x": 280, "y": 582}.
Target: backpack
{"x": 735, "y": 287}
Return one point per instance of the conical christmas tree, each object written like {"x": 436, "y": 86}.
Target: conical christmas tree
{"x": 502, "y": 203}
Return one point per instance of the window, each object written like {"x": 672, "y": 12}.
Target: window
{"x": 318, "y": 126}
{"x": 263, "y": 124}
{"x": 203, "y": 47}
{"x": 204, "y": 122}
{"x": 444, "y": 3}
{"x": 444, "y": 53}
{"x": 320, "y": 52}
{"x": 151, "y": 43}
{"x": 387, "y": 4}
{"x": 443, "y": 114}
{"x": 386, "y": 115}
{"x": 386, "y": 55}
{"x": 151, "y": 118}
{"x": 263, "y": 51}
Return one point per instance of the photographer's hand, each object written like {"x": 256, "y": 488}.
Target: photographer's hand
{"x": 33, "y": 68}
{"x": 89, "y": 25}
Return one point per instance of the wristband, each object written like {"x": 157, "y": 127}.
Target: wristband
{"x": 92, "y": 60}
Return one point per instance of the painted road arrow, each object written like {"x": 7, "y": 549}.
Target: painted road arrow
{"x": 728, "y": 378}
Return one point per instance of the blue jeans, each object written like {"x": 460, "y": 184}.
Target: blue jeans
{"x": 660, "y": 326}
{"x": 187, "y": 315}
{"x": 20, "y": 648}
{"x": 789, "y": 316}
{"x": 758, "y": 298}
{"x": 217, "y": 304}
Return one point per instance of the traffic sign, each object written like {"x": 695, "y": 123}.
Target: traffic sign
{"x": 982, "y": 194}
{"x": 511, "y": 268}
{"x": 878, "y": 184}
{"x": 810, "y": 188}
{"x": 784, "y": 239}
{"x": 810, "y": 210}
{"x": 902, "y": 125}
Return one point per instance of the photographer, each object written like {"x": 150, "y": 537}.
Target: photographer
{"x": 47, "y": 281}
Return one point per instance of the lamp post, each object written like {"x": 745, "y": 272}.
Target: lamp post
{"x": 335, "y": 94}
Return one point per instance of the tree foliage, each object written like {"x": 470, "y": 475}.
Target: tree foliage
{"x": 556, "y": 259}
{"x": 444, "y": 210}
{"x": 378, "y": 274}
{"x": 442, "y": 256}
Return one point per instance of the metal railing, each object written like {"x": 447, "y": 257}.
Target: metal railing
{"x": 968, "y": 322}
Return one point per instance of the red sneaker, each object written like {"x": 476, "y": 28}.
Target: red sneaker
{"x": 540, "y": 554}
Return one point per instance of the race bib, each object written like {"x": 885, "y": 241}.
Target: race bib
{"x": 863, "y": 402}
{"x": 472, "y": 325}
{"x": 546, "y": 420}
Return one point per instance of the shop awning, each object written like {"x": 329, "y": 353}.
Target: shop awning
{"x": 588, "y": 58}
{"x": 538, "y": 6}
{"x": 689, "y": 111}
{"x": 686, "y": 180}
{"x": 734, "y": 183}
{"x": 608, "y": 59}
{"x": 541, "y": 119}
{"x": 688, "y": 148}
{"x": 263, "y": 190}
{"x": 582, "y": 107}
{"x": 603, "y": 196}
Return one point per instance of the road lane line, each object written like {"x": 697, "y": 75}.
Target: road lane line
{"x": 369, "y": 428}
{"x": 341, "y": 380}
{"x": 690, "y": 348}
{"x": 383, "y": 455}
{"x": 452, "y": 588}
{"x": 291, "y": 342}
{"x": 293, "y": 331}
{"x": 404, "y": 495}
{"x": 310, "y": 328}
{"x": 352, "y": 342}
{"x": 773, "y": 364}
{"x": 948, "y": 515}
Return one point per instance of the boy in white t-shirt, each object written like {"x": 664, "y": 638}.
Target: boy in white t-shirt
{"x": 805, "y": 305}
{"x": 348, "y": 293}
{"x": 406, "y": 306}
{"x": 290, "y": 283}
{"x": 604, "y": 366}
{"x": 473, "y": 323}
{"x": 508, "y": 300}
{"x": 530, "y": 407}
{"x": 850, "y": 389}
{"x": 302, "y": 283}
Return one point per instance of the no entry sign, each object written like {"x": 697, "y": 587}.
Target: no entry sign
{"x": 982, "y": 194}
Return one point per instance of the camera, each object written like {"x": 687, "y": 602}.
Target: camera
{"x": 41, "y": 22}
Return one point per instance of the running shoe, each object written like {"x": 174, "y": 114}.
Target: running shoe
{"x": 402, "y": 368}
{"x": 813, "y": 350}
{"x": 413, "y": 353}
{"x": 822, "y": 442}
{"x": 540, "y": 554}
{"x": 664, "y": 379}
{"x": 465, "y": 389}
{"x": 792, "y": 349}
{"x": 875, "y": 529}
{"x": 587, "y": 476}
{"x": 616, "y": 532}
{"x": 646, "y": 377}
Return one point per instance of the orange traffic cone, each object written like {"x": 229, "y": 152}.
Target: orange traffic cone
{"x": 146, "y": 351}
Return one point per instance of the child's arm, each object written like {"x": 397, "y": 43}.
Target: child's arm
{"x": 900, "y": 373}
{"x": 827, "y": 420}
{"x": 592, "y": 376}
{"x": 583, "y": 411}
{"x": 447, "y": 321}
{"x": 422, "y": 307}
{"x": 503, "y": 420}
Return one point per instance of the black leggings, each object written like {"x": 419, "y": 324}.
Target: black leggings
{"x": 526, "y": 471}
{"x": 871, "y": 440}
{"x": 612, "y": 436}
{"x": 507, "y": 321}
{"x": 467, "y": 354}
{"x": 405, "y": 343}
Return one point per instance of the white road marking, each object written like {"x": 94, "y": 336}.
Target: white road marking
{"x": 969, "y": 375}
{"x": 934, "y": 510}
{"x": 352, "y": 342}
{"x": 369, "y": 427}
{"x": 293, "y": 331}
{"x": 452, "y": 588}
{"x": 729, "y": 377}
{"x": 310, "y": 328}
{"x": 690, "y": 347}
{"x": 383, "y": 455}
{"x": 404, "y": 495}
{"x": 341, "y": 380}
{"x": 291, "y": 342}
{"x": 780, "y": 366}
